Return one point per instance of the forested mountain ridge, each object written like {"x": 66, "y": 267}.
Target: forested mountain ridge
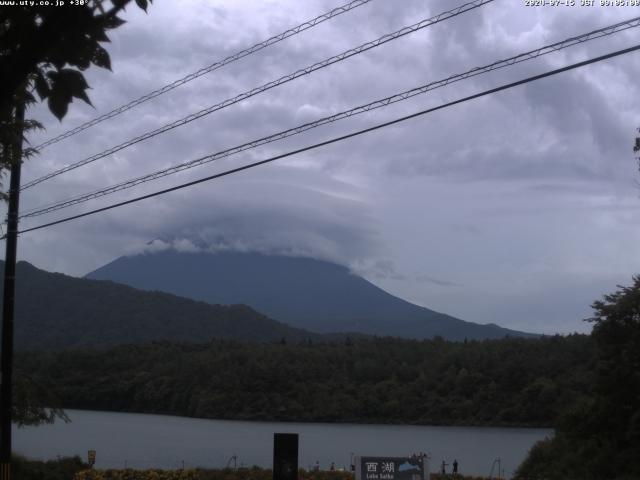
{"x": 55, "y": 311}
{"x": 510, "y": 382}
{"x": 303, "y": 292}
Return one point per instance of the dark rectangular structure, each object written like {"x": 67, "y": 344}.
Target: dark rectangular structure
{"x": 285, "y": 456}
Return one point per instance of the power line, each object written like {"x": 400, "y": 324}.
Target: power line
{"x": 341, "y": 138}
{"x": 203, "y": 71}
{"x": 605, "y": 31}
{"x": 267, "y": 86}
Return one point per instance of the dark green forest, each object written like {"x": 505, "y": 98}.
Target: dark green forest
{"x": 598, "y": 436}
{"x": 523, "y": 382}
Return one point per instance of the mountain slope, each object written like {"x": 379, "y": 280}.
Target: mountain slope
{"x": 56, "y": 311}
{"x": 303, "y": 292}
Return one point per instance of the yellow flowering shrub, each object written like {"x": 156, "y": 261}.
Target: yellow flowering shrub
{"x": 254, "y": 473}
{"x": 131, "y": 474}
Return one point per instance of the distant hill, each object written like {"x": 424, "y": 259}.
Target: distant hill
{"x": 311, "y": 294}
{"x": 55, "y": 311}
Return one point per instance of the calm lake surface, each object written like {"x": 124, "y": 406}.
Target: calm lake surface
{"x": 145, "y": 441}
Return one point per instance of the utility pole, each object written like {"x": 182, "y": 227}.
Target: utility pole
{"x": 6, "y": 373}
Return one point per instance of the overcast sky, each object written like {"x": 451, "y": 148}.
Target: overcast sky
{"x": 520, "y": 208}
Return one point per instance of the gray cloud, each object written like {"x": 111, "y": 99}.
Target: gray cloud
{"x": 518, "y": 209}
{"x": 378, "y": 269}
{"x": 436, "y": 281}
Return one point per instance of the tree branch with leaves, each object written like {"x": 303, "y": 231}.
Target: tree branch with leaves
{"x": 44, "y": 51}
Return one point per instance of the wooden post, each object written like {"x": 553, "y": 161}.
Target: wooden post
{"x": 6, "y": 357}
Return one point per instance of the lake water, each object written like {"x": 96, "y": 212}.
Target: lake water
{"x": 145, "y": 441}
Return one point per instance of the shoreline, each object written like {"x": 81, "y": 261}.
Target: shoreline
{"x": 322, "y": 422}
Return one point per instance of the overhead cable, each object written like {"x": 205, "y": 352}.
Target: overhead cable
{"x": 267, "y": 86}
{"x": 337, "y": 139}
{"x": 609, "y": 30}
{"x": 203, "y": 71}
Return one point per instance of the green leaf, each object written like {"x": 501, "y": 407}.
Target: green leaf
{"x": 42, "y": 86}
{"x": 113, "y": 22}
{"x": 81, "y": 53}
{"x": 58, "y": 104}
{"x": 82, "y": 95}
{"x": 66, "y": 84}
{"x": 31, "y": 124}
{"x": 29, "y": 152}
{"x": 76, "y": 84}
{"x": 83, "y": 62}
{"x": 74, "y": 78}
{"x": 58, "y": 62}
{"x": 142, "y": 4}
{"x": 101, "y": 58}
{"x": 29, "y": 98}
{"x": 99, "y": 35}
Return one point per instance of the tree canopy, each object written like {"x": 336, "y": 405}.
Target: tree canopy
{"x": 512, "y": 381}
{"x": 599, "y": 437}
{"x": 44, "y": 49}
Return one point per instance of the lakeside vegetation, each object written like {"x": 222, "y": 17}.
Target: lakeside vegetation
{"x": 598, "y": 436}
{"x": 65, "y": 468}
{"x": 72, "y": 468}
{"x": 254, "y": 473}
{"x": 509, "y": 382}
